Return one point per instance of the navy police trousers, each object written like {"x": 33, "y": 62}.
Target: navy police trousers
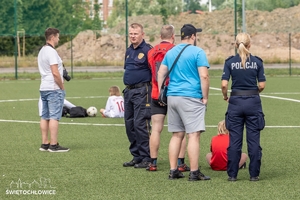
{"x": 137, "y": 118}
{"x": 244, "y": 111}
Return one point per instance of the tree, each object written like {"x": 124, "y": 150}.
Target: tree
{"x": 163, "y": 11}
{"x": 118, "y": 13}
{"x": 7, "y": 14}
{"x": 165, "y": 8}
{"x": 73, "y": 17}
{"x": 97, "y": 25}
{"x": 192, "y": 5}
{"x": 217, "y": 3}
{"x": 38, "y": 15}
{"x": 267, "y": 5}
{"x": 35, "y": 16}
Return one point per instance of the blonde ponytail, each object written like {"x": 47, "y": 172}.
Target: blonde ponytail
{"x": 243, "y": 45}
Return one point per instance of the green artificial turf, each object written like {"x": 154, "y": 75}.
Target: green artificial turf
{"x": 99, "y": 146}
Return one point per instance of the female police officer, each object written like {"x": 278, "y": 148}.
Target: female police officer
{"x": 244, "y": 108}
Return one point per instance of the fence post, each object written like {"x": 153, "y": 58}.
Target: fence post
{"x": 71, "y": 56}
{"x": 126, "y": 23}
{"x": 16, "y": 45}
{"x": 290, "y": 54}
{"x": 235, "y": 24}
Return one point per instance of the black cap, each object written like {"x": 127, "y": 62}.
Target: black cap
{"x": 188, "y": 30}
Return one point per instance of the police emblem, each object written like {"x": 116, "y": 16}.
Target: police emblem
{"x": 140, "y": 56}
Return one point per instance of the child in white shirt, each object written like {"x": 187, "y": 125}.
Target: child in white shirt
{"x": 115, "y": 104}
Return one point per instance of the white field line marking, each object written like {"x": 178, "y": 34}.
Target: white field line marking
{"x": 14, "y": 100}
{"x": 95, "y": 97}
{"x": 90, "y": 124}
{"x": 37, "y": 122}
{"x": 271, "y": 97}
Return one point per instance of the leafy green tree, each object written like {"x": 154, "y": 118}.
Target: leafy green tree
{"x": 7, "y": 26}
{"x": 266, "y": 5}
{"x": 38, "y": 15}
{"x": 74, "y": 17}
{"x": 217, "y": 3}
{"x": 192, "y": 5}
{"x": 118, "y": 13}
{"x": 97, "y": 25}
{"x": 165, "y": 8}
{"x": 163, "y": 11}
{"x": 7, "y": 17}
{"x": 174, "y": 7}
{"x": 35, "y": 16}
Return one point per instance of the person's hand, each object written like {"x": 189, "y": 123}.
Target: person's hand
{"x": 226, "y": 99}
{"x": 161, "y": 104}
{"x": 204, "y": 101}
{"x": 101, "y": 110}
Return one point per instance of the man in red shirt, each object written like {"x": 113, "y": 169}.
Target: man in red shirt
{"x": 158, "y": 112}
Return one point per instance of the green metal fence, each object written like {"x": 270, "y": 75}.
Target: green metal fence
{"x": 86, "y": 40}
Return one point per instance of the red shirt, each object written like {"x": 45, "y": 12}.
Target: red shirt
{"x": 219, "y": 145}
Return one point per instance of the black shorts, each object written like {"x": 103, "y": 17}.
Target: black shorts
{"x": 158, "y": 109}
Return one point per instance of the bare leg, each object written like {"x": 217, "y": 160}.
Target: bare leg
{"x": 243, "y": 159}
{"x": 174, "y": 148}
{"x": 44, "y": 126}
{"x": 183, "y": 148}
{"x": 208, "y": 157}
{"x": 53, "y": 127}
{"x": 157, "y": 127}
{"x": 193, "y": 150}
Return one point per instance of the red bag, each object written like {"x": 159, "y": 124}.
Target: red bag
{"x": 155, "y": 57}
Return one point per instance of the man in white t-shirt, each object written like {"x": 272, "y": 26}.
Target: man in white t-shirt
{"x": 52, "y": 91}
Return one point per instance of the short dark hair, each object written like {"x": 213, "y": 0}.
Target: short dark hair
{"x": 51, "y": 31}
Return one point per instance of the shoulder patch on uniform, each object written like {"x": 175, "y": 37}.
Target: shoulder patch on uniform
{"x": 229, "y": 58}
{"x": 149, "y": 45}
{"x": 258, "y": 58}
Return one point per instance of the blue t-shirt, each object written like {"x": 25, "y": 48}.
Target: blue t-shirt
{"x": 184, "y": 78}
{"x": 244, "y": 79}
{"x": 136, "y": 65}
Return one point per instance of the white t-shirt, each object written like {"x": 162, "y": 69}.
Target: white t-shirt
{"x": 49, "y": 56}
{"x": 114, "y": 107}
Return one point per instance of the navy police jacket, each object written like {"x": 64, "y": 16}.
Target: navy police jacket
{"x": 136, "y": 64}
{"x": 244, "y": 78}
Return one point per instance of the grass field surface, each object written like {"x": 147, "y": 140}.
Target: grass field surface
{"x": 99, "y": 146}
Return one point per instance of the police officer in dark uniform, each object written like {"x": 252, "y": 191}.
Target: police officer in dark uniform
{"x": 244, "y": 108}
{"x": 137, "y": 97}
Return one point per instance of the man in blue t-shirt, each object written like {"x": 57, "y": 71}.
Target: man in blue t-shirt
{"x": 187, "y": 99}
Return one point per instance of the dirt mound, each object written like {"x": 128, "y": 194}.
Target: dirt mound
{"x": 269, "y": 32}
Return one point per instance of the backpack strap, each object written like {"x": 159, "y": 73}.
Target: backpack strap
{"x": 167, "y": 75}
